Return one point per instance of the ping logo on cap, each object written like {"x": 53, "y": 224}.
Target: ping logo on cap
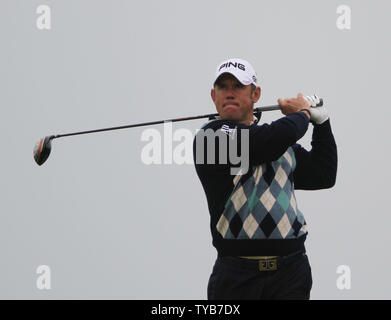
{"x": 239, "y": 68}
{"x": 233, "y": 64}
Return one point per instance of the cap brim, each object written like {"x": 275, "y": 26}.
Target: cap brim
{"x": 245, "y": 83}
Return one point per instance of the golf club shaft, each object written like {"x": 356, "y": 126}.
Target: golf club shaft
{"x": 259, "y": 109}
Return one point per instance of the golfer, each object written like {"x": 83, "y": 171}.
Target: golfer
{"x": 255, "y": 219}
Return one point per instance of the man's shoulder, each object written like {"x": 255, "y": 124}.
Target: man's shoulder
{"x": 218, "y": 123}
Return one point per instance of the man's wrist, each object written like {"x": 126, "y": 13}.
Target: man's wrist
{"x": 306, "y": 111}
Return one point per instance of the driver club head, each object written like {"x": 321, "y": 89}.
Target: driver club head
{"x": 42, "y": 150}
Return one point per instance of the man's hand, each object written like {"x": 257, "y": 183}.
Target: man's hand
{"x": 292, "y": 105}
{"x": 318, "y": 114}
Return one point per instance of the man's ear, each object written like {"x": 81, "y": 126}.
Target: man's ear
{"x": 256, "y": 94}
{"x": 212, "y": 94}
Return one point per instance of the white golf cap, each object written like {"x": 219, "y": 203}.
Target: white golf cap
{"x": 240, "y": 69}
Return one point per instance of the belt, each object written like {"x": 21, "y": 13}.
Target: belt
{"x": 261, "y": 264}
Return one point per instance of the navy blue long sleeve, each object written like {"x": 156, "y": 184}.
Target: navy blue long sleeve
{"x": 317, "y": 169}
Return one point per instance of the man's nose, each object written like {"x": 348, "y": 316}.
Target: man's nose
{"x": 230, "y": 93}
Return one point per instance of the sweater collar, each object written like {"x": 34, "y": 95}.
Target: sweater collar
{"x": 255, "y": 119}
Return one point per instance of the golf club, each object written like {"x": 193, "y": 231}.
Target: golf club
{"x": 43, "y": 147}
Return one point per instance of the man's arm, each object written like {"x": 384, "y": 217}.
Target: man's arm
{"x": 317, "y": 169}
{"x": 267, "y": 142}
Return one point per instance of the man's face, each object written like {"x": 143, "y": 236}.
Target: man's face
{"x": 233, "y": 100}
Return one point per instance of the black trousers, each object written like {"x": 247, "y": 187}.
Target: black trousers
{"x": 237, "y": 278}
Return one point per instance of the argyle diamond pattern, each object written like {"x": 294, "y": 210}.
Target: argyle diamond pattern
{"x": 264, "y": 205}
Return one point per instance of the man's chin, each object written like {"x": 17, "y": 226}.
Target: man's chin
{"x": 229, "y": 116}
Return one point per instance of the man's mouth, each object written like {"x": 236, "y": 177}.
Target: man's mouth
{"x": 230, "y": 104}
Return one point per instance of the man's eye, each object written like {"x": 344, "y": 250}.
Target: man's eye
{"x": 239, "y": 86}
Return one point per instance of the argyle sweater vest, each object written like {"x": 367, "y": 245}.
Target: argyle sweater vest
{"x": 263, "y": 204}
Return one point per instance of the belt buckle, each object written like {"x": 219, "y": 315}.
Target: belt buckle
{"x": 267, "y": 264}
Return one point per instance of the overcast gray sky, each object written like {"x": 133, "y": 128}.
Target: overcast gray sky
{"x": 110, "y": 226}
